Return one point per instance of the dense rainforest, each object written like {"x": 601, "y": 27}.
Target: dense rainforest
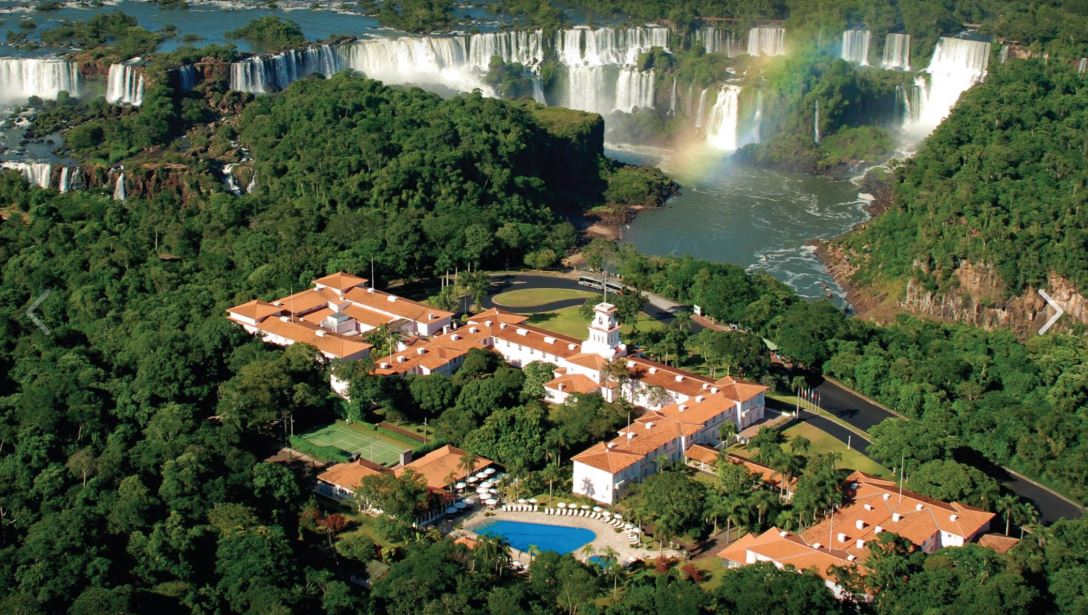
{"x": 1000, "y": 183}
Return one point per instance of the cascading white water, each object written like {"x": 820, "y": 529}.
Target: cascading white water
{"x": 230, "y": 181}
{"x": 634, "y": 89}
{"x": 186, "y": 77}
{"x": 125, "y": 85}
{"x": 1082, "y": 66}
{"x": 957, "y": 64}
{"x": 119, "y": 193}
{"x": 601, "y": 73}
{"x": 767, "y": 41}
{"x": 722, "y": 125}
{"x": 419, "y": 60}
{"x": 36, "y": 173}
{"x": 261, "y": 74}
{"x": 701, "y": 109}
{"x": 71, "y": 178}
{"x": 816, "y": 123}
{"x": 908, "y": 103}
{"x": 672, "y": 98}
{"x": 21, "y": 78}
{"x": 896, "y": 52}
{"x": 757, "y": 118}
{"x": 525, "y": 48}
{"x": 855, "y": 46}
{"x": 716, "y": 40}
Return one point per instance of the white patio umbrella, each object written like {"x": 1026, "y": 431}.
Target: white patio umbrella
{"x": 532, "y": 500}
{"x": 562, "y": 505}
{"x": 489, "y": 471}
{"x": 460, "y": 486}
{"x": 597, "y": 509}
{"x": 491, "y": 501}
{"x": 585, "y": 506}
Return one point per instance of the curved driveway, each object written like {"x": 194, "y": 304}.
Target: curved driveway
{"x": 836, "y": 399}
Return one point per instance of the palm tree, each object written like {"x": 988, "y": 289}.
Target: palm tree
{"x": 763, "y": 502}
{"x": 468, "y": 463}
{"x": 768, "y": 441}
{"x": 1025, "y": 514}
{"x": 493, "y": 554}
{"x": 1005, "y": 505}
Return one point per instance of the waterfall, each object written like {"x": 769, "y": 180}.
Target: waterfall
{"x": 21, "y": 78}
{"x": 35, "y": 173}
{"x": 957, "y": 65}
{"x": 252, "y": 185}
{"x": 119, "y": 193}
{"x": 588, "y": 89}
{"x": 186, "y": 77}
{"x": 602, "y": 46}
{"x": 855, "y": 46}
{"x": 228, "y": 179}
{"x": 896, "y": 52}
{"x": 716, "y": 40}
{"x": 908, "y": 103}
{"x": 538, "y": 90}
{"x": 525, "y": 48}
{"x": 701, "y": 108}
{"x": 417, "y": 60}
{"x": 722, "y": 124}
{"x": 672, "y": 98}
{"x": 634, "y": 89}
{"x": 816, "y": 124}
{"x": 1082, "y": 66}
{"x": 757, "y": 119}
{"x": 71, "y": 178}
{"x": 767, "y": 41}
{"x": 690, "y": 99}
{"x": 601, "y": 67}
{"x": 125, "y": 84}
{"x": 1003, "y": 55}
{"x": 261, "y": 74}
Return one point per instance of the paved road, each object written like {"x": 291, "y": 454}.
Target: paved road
{"x": 863, "y": 414}
{"x": 843, "y": 403}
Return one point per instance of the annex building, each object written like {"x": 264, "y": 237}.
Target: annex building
{"x": 876, "y": 505}
{"x": 682, "y": 409}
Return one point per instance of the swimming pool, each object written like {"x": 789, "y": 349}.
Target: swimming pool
{"x": 521, "y": 535}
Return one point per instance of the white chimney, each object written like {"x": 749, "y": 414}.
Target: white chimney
{"x": 953, "y": 517}
{"x": 320, "y": 333}
{"x": 285, "y": 319}
{"x": 681, "y": 407}
{"x": 385, "y": 365}
{"x": 649, "y": 425}
{"x": 679, "y": 378}
{"x": 391, "y": 298}
{"x": 896, "y": 517}
{"x": 370, "y": 290}
{"x": 630, "y": 436}
{"x": 522, "y": 331}
{"x": 860, "y": 543}
{"x": 455, "y": 337}
{"x": 653, "y": 370}
{"x": 421, "y": 351}
{"x": 816, "y": 545}
{"x": 714, "y": 390}
{"x": 878, "y": 529}
{"x": 783, "y": 533}
{"x": 868, "y": 507}
{"x": 699, "y": 398}
{"x": 859, "y": 524}
{"x": 851, "y": 558}
{"x": 843, "y": 537}
{"x": 918, "y": 506}
{"x": 887, "y": 496}
{"x": 611, "y": 445}
{"x": 473, "y": 330}
{"x": 549, "y": 339}
{"x": 401, "y": 359}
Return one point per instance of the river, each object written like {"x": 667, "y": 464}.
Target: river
{"x": 757, "y": 218}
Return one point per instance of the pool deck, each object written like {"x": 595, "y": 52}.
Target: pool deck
{"x": 607, "y": 536}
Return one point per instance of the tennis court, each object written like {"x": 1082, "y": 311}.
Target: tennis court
{"x": 358, "y": 439}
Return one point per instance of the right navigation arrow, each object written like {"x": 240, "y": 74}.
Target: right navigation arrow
{"x": 1058, "y": 311}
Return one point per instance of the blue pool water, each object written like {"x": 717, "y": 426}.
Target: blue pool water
{"x": 602, "y": 561}
{"x": 521, "y": 535}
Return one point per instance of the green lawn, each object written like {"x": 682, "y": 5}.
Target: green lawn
{"x": 823, "y": 442}
{"x": 568, "y": 321}
{"x": 369, "y": 443}
{"x": 529, "y": 297}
